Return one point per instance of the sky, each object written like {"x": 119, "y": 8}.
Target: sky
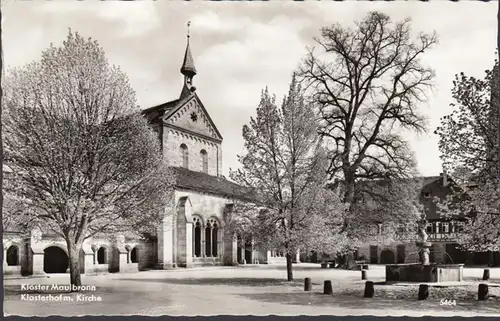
{"x": 239, "y": 48}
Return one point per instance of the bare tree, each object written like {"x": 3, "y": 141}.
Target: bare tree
{"x": 366, "y": 85}
{"x": 80, "y": 155}
{"x": 284, "y": 162}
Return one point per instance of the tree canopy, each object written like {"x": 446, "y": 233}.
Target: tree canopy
{"x": 78, "y": 151}
{"x": 284, "y": 161}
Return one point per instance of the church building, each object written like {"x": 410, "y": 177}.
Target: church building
{"x": 194, "y": 230}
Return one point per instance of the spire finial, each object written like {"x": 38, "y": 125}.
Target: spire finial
{"x": 189, "y": 24}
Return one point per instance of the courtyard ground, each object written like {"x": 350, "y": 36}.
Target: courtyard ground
{"x": 249, "y": 290}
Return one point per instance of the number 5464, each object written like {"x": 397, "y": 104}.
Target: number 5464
{"x": 447, "y": 302}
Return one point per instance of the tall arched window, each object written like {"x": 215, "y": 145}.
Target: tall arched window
{"x": 197, "y": 226}
{"x": 204, "y": 160}
{"x": 12, "y": 255}
{"x": 185, "y": 156}
{"x": 212, "y": 238}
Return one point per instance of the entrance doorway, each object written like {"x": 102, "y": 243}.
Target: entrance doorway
{"x": 401, "y": 253}
{"x": 55, "y": 260}
{"x": 373, "y": 254}
{"x": 248, "y": 252}
{"x": 387, "y": 257}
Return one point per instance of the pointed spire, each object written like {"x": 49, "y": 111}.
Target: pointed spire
{"x": 188, "y": 68}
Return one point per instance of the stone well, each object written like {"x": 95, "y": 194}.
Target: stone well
{"x": 425, "y": 271}
{"x": 416, "y": 272}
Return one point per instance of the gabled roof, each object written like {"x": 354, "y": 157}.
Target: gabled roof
{"x": 165, "y": 111}
{"x": 155, "y": 112}
{"x": 202, "y": 182}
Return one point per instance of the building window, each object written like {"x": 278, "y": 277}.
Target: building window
{"x": 12, "y": 255}
{"x": 197, "y": 227}
{"x": 185, "y": 156}
{"x": 134, "y": 257}
{"x": 101, "y": 255}
{"x": 427, "y": 194}
{"x": 204, "y": 160}
{"x": 429, "y": 229}
{"x": 212, "y": 238}
{"x": 445, "y": 227}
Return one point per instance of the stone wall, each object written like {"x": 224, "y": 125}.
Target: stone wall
{"x": 175, "y": 242}
{"x": 173, "y": 139}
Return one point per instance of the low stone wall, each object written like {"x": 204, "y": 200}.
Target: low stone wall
{"x": 452, "y": 272}
{"x": 12, "y": 270}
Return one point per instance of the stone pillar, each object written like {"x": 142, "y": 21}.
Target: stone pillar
{"x": 297, "y": 257}
{"x": 38, "y": 262}
{"x": 88, "y": 258}
{"x": 203, "y": 241}
{"x": 166, "y": 241}
{"x": 251, "y": 251}
{"x": 4, "y": 258}
{"x": 185, "y": 241}
{"x": 242, "y": 254}
{"x": 230, "y": 253}
{"x": 119, "y": 255}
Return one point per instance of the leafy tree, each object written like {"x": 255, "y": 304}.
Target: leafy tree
{"x": 468, "y": 141}
{"x": 284, "y": 162}
{"x": 366, "y": 84}
{"x": 81, "y": 156}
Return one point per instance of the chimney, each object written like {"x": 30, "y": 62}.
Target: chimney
{"x": 445, "y": 178}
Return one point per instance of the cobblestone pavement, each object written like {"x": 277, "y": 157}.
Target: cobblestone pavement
{"x": 249, "y": 290}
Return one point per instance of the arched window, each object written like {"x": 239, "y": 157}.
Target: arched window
{"x": 204, "y": 161}
{"x": 101, "y": 255}
{"x": 215, "y": 241}
{"x": 212, "y": 238}
{"x": 185, "y": 156}
{"x": 12, "y": 255}
{"x": 197, "y": 226}
{"x": 134, "y": 257}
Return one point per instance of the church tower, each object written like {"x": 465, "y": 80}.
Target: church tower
{"x": 188, "y": 70}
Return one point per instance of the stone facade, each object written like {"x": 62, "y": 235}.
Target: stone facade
{"x": 36, "y": 253}
{"x": 193, "y": 231}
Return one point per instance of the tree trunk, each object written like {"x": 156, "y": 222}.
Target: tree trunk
{"x": 289, "y": 271}
{"x": 74, "y": 264}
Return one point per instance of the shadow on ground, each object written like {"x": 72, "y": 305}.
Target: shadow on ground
{"x": 378, "y": 304}
{"x": 222, "y": 281}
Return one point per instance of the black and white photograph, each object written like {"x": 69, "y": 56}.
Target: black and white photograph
{"x": 204, "y": 158}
